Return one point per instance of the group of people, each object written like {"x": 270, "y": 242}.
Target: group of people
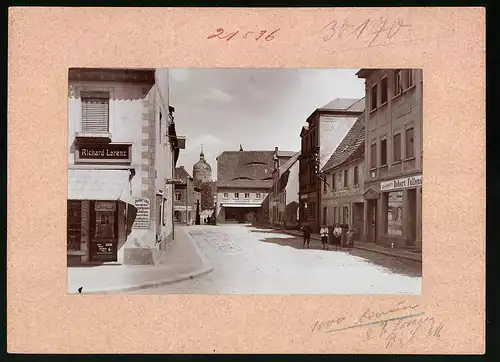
{"x": 325, "y": 233}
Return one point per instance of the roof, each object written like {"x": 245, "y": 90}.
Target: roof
{"x": 181, "y": 173}
{"x": 345, "y": 104}
{"x": 286, "y": 153}
{"x": 289, "y": 163}
{"x": 351, "y": 147}
{"x": 252, "y": 169}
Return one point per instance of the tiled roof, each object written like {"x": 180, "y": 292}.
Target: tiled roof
{"x": 345, "y": 104}
{"x": 351, "y": 147}
{"x": 181, "y": 173}
{"x": 246, "y": 168}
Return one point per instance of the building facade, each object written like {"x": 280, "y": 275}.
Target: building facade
{"x": 121, "y": 149}
{"x": 394, "y": 155}
{"x": 284, "y": 195}
{"x": 243, "y": 182}
{"x": 325, "y": 129}
{"x": 342, "y": 198}
{"x": 186, "y": 197}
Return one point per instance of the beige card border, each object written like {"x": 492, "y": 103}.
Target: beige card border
{"x": 448, "y": 43}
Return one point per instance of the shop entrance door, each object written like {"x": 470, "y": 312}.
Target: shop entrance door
{"x": 372, "y": 219}
{"x": 103, "y": 231}
{"x": 412, "y": 217}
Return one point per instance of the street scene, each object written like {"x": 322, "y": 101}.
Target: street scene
{"x": 244, "y": 181}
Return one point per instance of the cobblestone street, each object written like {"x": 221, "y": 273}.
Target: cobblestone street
{"x": 248, "y": 260}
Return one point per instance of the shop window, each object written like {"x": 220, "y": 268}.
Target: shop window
{"x": 398, "y": 85}
{"x": 177, "y": 196}
{"x": 346, "y": 178}
{"x": 356, "y": 175}
{"x": 236, "y": 195}
{"x": 383, "y": 152}
{"x": 373, "y": 155}
{"x": 394, "y": 207}
{"x": 74, "y": 224}
{"x": 383, "y": 91}
{"x": 409, "y": 151}
{"x": 396, "y": 147}
{"x": 373, "y": 97}
{"x": 95, "y": 112}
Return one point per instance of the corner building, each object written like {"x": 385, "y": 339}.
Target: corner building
{"x": 393, "y": 156}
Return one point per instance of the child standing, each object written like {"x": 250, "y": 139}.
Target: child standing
{"x": 324, "y": 236}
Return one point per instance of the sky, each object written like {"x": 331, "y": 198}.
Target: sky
{"x": 258, "y": 108}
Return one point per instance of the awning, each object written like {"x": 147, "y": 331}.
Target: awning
{"x": 241, "y": 205}
{"x": 99, "y": 185}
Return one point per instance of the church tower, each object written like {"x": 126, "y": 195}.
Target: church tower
{"x": 202, "y": 172}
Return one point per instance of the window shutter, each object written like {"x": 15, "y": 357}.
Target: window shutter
{"x": 95, "y": 112}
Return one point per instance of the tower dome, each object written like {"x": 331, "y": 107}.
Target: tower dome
{"x": 201, "y": 169}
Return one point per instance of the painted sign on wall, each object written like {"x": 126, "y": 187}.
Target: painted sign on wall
{"x": 402, "y": 183}
{"x": 143, "y": 217}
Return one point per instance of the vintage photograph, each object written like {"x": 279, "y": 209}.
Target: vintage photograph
{"x": 244, "y": 181}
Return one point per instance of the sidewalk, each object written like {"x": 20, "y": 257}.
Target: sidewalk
{"x": 183, "y": 260}
{"x": 400, "y": 253}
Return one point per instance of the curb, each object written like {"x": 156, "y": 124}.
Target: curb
{"x": 205, "y": 269}
{"x": 407, "y": 257}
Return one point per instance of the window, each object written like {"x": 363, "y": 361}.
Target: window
{"x": 226, "y": 194}
{"x": 373, "y": 97}
{"x": 257, "y": 195}
{"x": 345, "y": 215}
{"x": 324, "y": 215}
{"x": 95, "y": 112}
{"x": 159, "y": 199}
{"x": 325, "y": 188}
{"x": 409, "y": 143}
{"x": 384, "y": 90}
{"x": 346, "y": 178}
{"x": 159, "y": 126}
{"x": 247, "y": 195}
{"x": 396, "y": 147}
{"x": 409, "y": 78}
{"x": 394, "y": 207}
{"x": 177, "y": 196}
{"x": 383, "y": 152}
{"x": 333, "y": 182}
{"x": 398, "y": 85}
{"x": 236, "y": 195}
{"x": 373, "y": 155}
{"x": 356, "y": 175}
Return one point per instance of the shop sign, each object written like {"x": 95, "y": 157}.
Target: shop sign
{"x": 142, "y": 219}
{"x": 402, "y": 183}
{"x": 105, "y": 153}
{"x": 182, "y": 208}
{"x": 103, "y": 251}
{"x": 105, "y": 206}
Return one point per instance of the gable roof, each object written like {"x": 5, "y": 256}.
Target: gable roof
{"x": 345, "y": 104}
{"x": 289, "y": 163}
{"x": 181, "y": 173}
{"x": 253, "y": 169}
{"x": 351, "y": 147}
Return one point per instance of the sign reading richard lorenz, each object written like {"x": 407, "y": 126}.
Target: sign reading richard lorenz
{"x": 104, "y": 153}
{"x": 142, "y": 219}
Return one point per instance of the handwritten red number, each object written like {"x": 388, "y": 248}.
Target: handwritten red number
{"x": 219, "y": 32}
{"x": 246, "y": 35}
{"x": 262, "y": 32}
{"x": 270, "y": 36}
{"x": 331, "y": 25}
{"x": 230, "y": 36}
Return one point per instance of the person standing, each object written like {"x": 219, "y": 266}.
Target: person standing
{"x": 337, "y": 234}
{"x": 350, "y": 238}
{"x": 306, "y": 231}
{"x": 324, "y": 237}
